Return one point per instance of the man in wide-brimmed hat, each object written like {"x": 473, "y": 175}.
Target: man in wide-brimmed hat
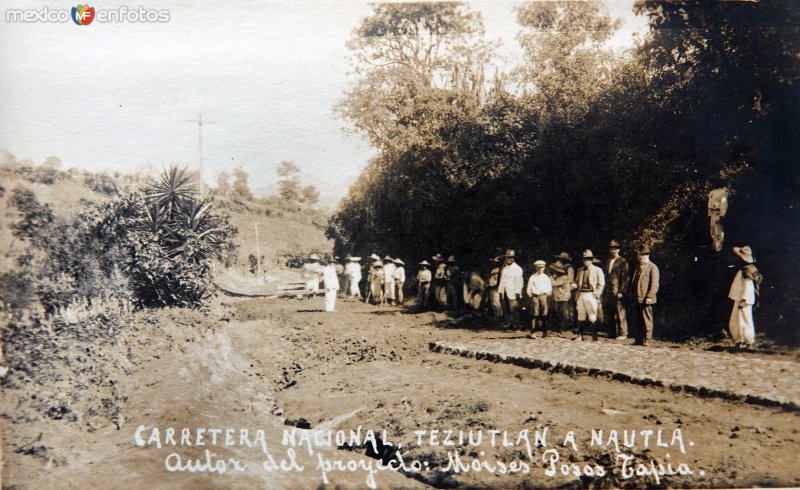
{"x": 439, "y": 282}
{"x": 353, "y": 272}
{"x": 618, "y": 283}
{"x": 455, "y": 293}
{"x": 590, "y": 283}
{"x": 644, "y": 286}
{"x": 330, "y": 281}
{"x": 312, "y": 273}
{"x": 492, "y": 283}
{"x": 388, "y": 279}
{"x": 376, "y": 282}
{"x": 343, "y": 284}
{"x": 744, "y": 293}
{"x": 423, "y": 284}
{"x": 510, "y": 287}
{"x": 399, "y": 280}
{"x": 562, "y": 275}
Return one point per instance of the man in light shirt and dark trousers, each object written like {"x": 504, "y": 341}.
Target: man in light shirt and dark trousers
{"x": 539, "y": 289}
{"x": 510, "y": 288}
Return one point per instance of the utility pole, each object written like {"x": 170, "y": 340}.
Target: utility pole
{"x": 200, "y": 123}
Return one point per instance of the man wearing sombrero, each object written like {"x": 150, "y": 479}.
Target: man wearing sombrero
{"x": 563, "y": 277}
{"x": 744, "y": 293}
{"x": 423, "y": 284}
{"x": 353, "y": 272}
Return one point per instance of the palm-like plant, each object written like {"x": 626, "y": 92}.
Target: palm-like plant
{"x": 177, "y": 235}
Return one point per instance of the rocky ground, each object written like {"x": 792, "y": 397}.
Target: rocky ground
{"x": 81, "y": 402}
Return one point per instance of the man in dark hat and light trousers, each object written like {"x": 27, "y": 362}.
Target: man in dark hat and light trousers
{"x": 590, "y": 283}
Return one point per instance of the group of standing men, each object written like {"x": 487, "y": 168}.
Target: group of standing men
{"x": 577, "y": 298}
{"x": 385, "y": 279}
{"x": 579, "y": 295}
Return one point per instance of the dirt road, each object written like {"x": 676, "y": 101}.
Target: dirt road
{"x": 292, "y": 376}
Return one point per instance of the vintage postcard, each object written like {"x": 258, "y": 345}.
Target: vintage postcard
{"x": 367, "y": 244}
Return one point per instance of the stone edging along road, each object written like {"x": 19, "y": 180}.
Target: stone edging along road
{"x": 709, "y": 374}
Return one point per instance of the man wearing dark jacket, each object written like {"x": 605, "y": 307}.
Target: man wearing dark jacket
{"x": 644, "y": 288}
{"x": 617, "y": 286}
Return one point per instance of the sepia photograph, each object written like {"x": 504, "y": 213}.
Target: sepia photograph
{"x": 353, "y": 244}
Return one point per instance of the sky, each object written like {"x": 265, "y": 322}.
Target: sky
{"x": 125, "y": 97}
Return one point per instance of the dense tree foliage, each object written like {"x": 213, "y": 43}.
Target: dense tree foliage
{"x": 579, "y": 145}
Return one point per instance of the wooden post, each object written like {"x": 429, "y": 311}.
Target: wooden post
{"x": 258, "y": 252}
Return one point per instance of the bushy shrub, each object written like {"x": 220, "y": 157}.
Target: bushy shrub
{"x": 153, "y": 246}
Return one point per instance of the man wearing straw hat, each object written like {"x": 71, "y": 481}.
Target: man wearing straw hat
{"x": 744, "y": 293}
{"x": 388, "y": 279}
{"x": 510, "y": 288}
{"x": 455, "y": 293}
{"x": 353, "y": 272}
{"x": 493, "y": 283}
{"x": 330, "y": 281}
{"x": 439, "y": 282}
{"x": 423, "y": 284}
{"x": 312, "y": 271}
{"x": 562, "y": 275}
{"x": 399, "y": 280}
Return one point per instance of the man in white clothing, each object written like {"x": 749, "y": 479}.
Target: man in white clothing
{"x": 330, "y": 280}
{"x": 510, "y": 287}
{"x": 353, "y": 272}
{"x": 311, "y": 273}
{"x": 388, "y": 279}
{"x": 743, "y": 292}
{"x": 399, "y": 280}
{"x": 539, "y": 289}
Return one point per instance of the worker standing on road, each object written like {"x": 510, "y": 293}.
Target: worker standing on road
{"x": 539, "y": 289}
{"x": 399, "y": 280}
{"x": 388, "y": 279}
{"x": 353, "y": 272}
{"x": 423, "y": 285}
{"x": 455, "y": 293}
{"x": 376, "y": 282}
{"x": 645, "y": 286}
{"x": 311, "y": 273}
{"x": 330, "y": 281}
{"x": 590, "y": 287}
{"x": 493, "y": 282}
{"x": 744, "y": 293}
{"x": 439, "y": 283}
{"x": 510, "y": 288}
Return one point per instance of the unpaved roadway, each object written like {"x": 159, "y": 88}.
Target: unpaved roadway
{"x": 259, "y": 364}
